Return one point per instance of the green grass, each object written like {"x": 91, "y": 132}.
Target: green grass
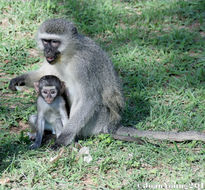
{"x": 158, "y": 49}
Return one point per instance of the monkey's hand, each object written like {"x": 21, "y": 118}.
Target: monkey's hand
{"x": 18, "y": 81}
{"x": 65, "y": 139}
{"x": 32, "y": 136}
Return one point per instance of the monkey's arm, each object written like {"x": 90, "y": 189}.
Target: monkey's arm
{"x": 62, "y": 121}
{"x": 63, "y": 113}
{"x": 171, "y": 136}
{"x": 32, "y": 123}
{"x": 28, "y": 79}
{"x": 39, "y": 133}
{"x": 79, "y": 117}
{"x": 58, "y": 127}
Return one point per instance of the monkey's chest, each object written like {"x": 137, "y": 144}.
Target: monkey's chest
{"x": 51, "y": 116}
{"x": 70, "y": 77}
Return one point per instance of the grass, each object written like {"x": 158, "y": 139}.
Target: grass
{"x": 158, "y": 49}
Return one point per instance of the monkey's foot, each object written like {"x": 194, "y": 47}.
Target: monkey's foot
{"x": 66, "y": 139}
{"x": 34, "y": 146}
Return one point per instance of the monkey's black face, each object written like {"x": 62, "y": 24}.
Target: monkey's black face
{"x": 51, "y": 50}
{"x": 49, "y": 93}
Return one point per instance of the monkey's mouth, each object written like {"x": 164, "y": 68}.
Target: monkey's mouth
{"x": 52, "y": 57}
{"x": 51, "y": 60}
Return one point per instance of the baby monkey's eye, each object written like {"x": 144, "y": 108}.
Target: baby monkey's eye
{"x": 45, "y": 92}
{"x": 53, "y": 92}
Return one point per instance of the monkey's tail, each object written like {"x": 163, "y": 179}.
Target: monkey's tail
{"x": 171, "y": 136}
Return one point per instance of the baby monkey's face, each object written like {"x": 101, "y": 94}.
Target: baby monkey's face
{"x": 49, "y": 93}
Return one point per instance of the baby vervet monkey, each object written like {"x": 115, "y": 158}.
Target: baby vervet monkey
{"x": 51, "y": 109}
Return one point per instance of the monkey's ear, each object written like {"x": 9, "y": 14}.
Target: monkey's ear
{"x": 62, "y": 87}
{"x": 74, "y": 30}
{"x": 36, "y": 86}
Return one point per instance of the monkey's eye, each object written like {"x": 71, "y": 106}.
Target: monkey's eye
{"x": 53, "y": 92}
{"x": 45, "y": 42}
{"x": 45, "y": 92}
{"x": 55, "y": 43}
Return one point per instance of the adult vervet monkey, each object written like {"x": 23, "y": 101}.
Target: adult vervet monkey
{"x": 91, "y": 83}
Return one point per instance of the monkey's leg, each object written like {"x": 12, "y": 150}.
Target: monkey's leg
{"x": 98, "y": 124}
{"x": 39, "y": 133}
{"x": 171, "y": 136}
{"x": 33, "y": 125}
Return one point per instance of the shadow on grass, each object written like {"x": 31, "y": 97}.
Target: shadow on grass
{"x": 137, "y": 109}
{"x": 9, "y": 150}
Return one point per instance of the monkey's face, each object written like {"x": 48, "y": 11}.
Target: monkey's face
{"x": 51, "y": 52}
{"x": 49, "y": 93}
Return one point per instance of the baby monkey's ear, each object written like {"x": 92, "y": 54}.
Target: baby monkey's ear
{"x": 36, "y": 86}
{"x": 62, "y": 87}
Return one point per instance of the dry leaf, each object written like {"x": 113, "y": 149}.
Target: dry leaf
{"x": 78, "y": 146}
{"x": 88, "y": 158}
{"x": 84, "y": 151}
{"x": 4, "y": 181}
{"x": 74, "y": 149}
{"x": 57, "y": 157}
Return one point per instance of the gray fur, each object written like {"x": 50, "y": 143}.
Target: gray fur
{"x": 51, "y": 117}
{"x": 92, "y": 85}
{"x": 57, "y": 26}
